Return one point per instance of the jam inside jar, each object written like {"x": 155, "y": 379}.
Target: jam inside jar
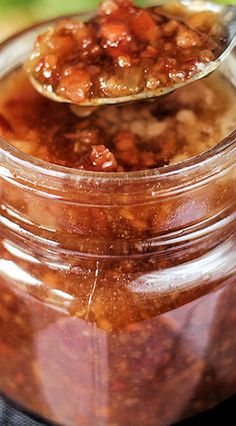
{"x": 118, "y": 291}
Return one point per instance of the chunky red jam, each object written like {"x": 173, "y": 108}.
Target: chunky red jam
{"x": 124, "y": 50}
{"x": 117, "y": 138}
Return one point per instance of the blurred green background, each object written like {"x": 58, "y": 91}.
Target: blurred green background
{"x": 17, "y": 14}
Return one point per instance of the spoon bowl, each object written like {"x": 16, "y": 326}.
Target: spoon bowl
{"x": 227, "y": 21}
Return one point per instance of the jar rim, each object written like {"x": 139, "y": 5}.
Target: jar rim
{"x": 53, "y": 170}
{"x": 211, "y": 157}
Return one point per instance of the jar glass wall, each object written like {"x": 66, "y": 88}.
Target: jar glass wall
{"x": 118, "y": 292}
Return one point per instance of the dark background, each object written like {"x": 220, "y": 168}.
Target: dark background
{"x": 223, "y": 415}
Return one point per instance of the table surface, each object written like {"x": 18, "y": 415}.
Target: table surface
{"x": 223, "y": 415}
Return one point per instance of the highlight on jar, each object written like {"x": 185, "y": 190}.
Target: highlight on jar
{"x": 117, "y": 220}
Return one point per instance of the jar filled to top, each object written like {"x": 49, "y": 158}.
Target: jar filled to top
{"x": 117, "y": 243}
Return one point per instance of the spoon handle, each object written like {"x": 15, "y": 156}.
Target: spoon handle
{"x": 229, "y": 20}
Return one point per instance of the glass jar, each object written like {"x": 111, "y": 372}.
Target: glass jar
{"x": 118, "y": 291}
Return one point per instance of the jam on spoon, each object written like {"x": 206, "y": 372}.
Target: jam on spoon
{"x": 125, "y": 53}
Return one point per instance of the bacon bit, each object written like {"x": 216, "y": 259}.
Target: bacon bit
{"x": 60, "y": 44}
{"x": 113, "y": 33}
{"x": 187, "y": 38}
{"x": 75, "y": 84}
{"x": 102, "y": 159}
{"x": 144, "y": 27}
{"x": 48, "y": 67}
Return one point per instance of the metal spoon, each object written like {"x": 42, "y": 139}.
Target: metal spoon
{"x": 227, "y": 19}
